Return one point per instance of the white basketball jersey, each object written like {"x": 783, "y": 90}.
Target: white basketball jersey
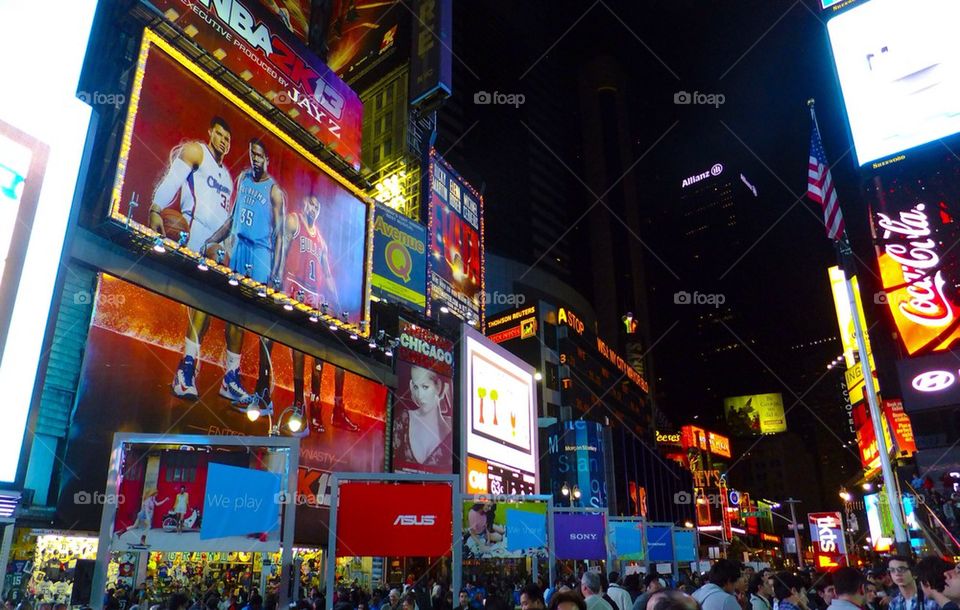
{"x": 206, "y": 199}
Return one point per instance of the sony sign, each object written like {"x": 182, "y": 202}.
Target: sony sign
{"x": 714, "y": 171}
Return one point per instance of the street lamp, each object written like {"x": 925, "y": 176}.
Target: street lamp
{"x": 845, "y": 495}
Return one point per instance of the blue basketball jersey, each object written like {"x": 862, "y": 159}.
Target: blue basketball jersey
{"x": 253, "y": 212}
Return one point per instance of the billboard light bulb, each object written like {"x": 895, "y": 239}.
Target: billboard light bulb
{"x": 158, "y": 245}
{"x": 233, "y": 281}
{"x": 313, "y": 318}
{"x": 202, "y": 265}
{"x": 295, "y": 423}
{"x": 538, "y": 376}
{"x": 253, "y": 412}
{"x": 444, "y": 309}
{"x": 288, "y": 306}
{"x": 565, "y": 490}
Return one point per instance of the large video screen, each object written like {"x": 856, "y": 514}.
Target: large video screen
{"x": 899, "y": 69}
{"x": 500, "y": 425}
{"x": 241, "y": 192}
{"x": 154, "y": 365}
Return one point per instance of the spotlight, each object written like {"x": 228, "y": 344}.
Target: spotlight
{"x": 184, "y": 236}
{"x": 262, "y": 291}
{"x": 296, "y": 420}
{"x": 313, "y": 318}
{"x": 363, "y": 326}
{"x": 444, "y": 309}
{"x": 688, "y": 524}
{"x": 576, "y": 492}
{"x": 868, "y": 486}
{"x": 253, "y": 411}
{"x": 372, "y": 344}
{"x": 565, "y": 490}
{"x": 538, "y": 376}
{"x": 332, "y": 326}
{"x": 202, "y": 265}
{"x": 288, "y": 306}
{"x": 158, "y": 245}
{"x": 353, "y": 335}
{"x": 233, "y": 281}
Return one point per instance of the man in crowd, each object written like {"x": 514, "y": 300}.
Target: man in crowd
{"x": 824, "y": 592}
{"x": 789, "y": 590}
{"x": 651, "y": 584}
{"x": 848, "y": 590}
{"x": 531, "y": 598}
{"x": 718, "y": 594}
{"x": 909, "y": 596}
{"x": 567, "y": 600}
{"x": 761, "y": 592}
{"x": 463, "y": 601}
{"x": 939, "y": 581}
{"x": 592, "y": 591}
{"x": 617, "y": 593}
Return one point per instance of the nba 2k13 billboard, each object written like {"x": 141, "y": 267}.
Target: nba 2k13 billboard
{"x": 200, "y": 167}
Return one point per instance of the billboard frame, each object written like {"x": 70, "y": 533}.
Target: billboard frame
{"x": 466, "y": 330}
{"x": 330, "y": 573}
{"x": 643, "y": 539}
{"x": 152, "y": 40}
{"x": 109, "y": 513}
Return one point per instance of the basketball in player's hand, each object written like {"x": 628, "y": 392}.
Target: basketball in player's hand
{"x": 211, "y": 252}
{"x": 174, "y": 223}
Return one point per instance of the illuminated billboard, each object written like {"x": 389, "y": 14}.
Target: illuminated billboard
{"x": 928, "y": 382}
{"x": 138, "y": 355}
{"x": 228, "y": 188}
{"x": 455, "y": 266}
{"x": 295, "y": 14}
{"x": 828, "y": 539}
{"x": 49, "y": 123}
{"x": 577, "y": 462}
{"x": 249, "y": 41}
{"x": 361, "y": 36}
{"x": 499, "y": 421}
{"x": 755, "y": 414}
{"x": 899, "y": 73}
{"x": 399, "y": 259}
{"x": 423, "y": 409}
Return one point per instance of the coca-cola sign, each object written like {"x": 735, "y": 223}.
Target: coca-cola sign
{"x": 917, "y": 289}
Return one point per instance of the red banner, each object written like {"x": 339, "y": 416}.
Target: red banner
{"x": 385, "y": 519}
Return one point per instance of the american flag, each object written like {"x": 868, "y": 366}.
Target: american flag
{"x": 820, "y": 186}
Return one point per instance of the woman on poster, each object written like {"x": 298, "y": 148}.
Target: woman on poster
{"x": 424, "y": 435}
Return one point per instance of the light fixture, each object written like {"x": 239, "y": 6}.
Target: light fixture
{"x": 388, "y": 352}
{"x": 565, "y": 490}
{"x": 313, "y": 318}
{"x": 868, "y": 486}
{"x": 353, "y": 335}
{"x": 444, "y": 309}
{"x": 538, "y": 376}
{"x": 288, "y": 306}
{"x": 233, "y": 281}
{"x": 221, "y": 254}
{"x": 845, "y": 495}
{"x": 295, "y": 423}
{"x": 262, "y": 292}
{"x": 253, "y": 410}
{"x": 372, "y": 344}
{"x": 158, "y": 245}
{"x": 184, "y": 238}
{"x": 324, "y": 307}
{"x": 332, "y": 326}
{"x": 202, "y": 265}
{"x": 576, "y": 492}
{"x": 688, "y": 524}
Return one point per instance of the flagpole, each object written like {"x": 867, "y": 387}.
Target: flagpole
{"x": 844, "y": 253}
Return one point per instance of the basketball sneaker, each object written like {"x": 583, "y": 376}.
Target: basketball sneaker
{"x": 232, "y": 389}
{"x": 185, "y": 380}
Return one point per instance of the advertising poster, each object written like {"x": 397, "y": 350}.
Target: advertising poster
{"x": 410, "y": 520}
{"x": 660, "y": 542}
{"x": 685, "y": 545}
{"x": 135, "y": 355}
{"x": 399, "y": 259}
{"x": 756, "y": 414}
{"x": 180, "y": 500}
{"x": 223, "y": 176}
{"x": 928, "y": 382}
{"x": 455, "y": 265}
{"x": 829, "y": 543}
{"x": 431, "y": 62}
{"x": 506, "y": 530}
{"x": 580, "y": 536}
{"x": 577, "y": 460}
{"x": 499, "y": 419}
{"x": 260, "y": 48}
{"x": 423, "y": 409}
{"x": 361, "y": 36}
{"x": 626, "y": 540}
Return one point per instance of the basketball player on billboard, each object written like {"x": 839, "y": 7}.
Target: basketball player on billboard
{"x": 255, "y": 227}
{"x": 198, "y": 177}
{"x": 306, "y": 262}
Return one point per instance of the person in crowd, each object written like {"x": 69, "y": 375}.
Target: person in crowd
{"x": 848, "y": 590}
{"x": 604, "y": 588}
{"x": 761, "y": 592}
{"x": 178, "y": 601}
{"x": 789, "y": 590}
{"x": 592, "y": 590}
{"x": 567, "y": 600}
{"x": 393, "y": 600}
{"x": 618, "y": 593}
{"x": 939, "y": 581}
{"x": 531, "y": 598}
{"x": 464, "y": 600}
{"x": 909, "y": 596}
{"x": 666, "y": 599}
{"x": 718, "y": 593}
{"x": 651, "y": 584}
{"x": 871, "y": 601}
{"x": 823, "y": 593}
{"x": 631, "y": 582}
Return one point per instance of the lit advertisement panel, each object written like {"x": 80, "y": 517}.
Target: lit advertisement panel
{"x": 577, "y": 461}
{"x": 423, "y": 409}
{"x": 829, "y": 541}
{"x": 295, "y": 14}
{"x": 914, "y": 223}
{"x": 225, "y": 179}
{"x": 51, "y": 116}
{"x": 136, "y": 354}
{"x": 499, "y": 421}
{"x": 362, "y": 36}
{"x": 928, "y": 382}
{"x": 755, "y": 414}
{"x": 253, "y": 44}
{"x": 399, "y": 259}
{"x": 841, "y": 304}
{"x": 899, "y": 69}
{"x": 455, "y": 265}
